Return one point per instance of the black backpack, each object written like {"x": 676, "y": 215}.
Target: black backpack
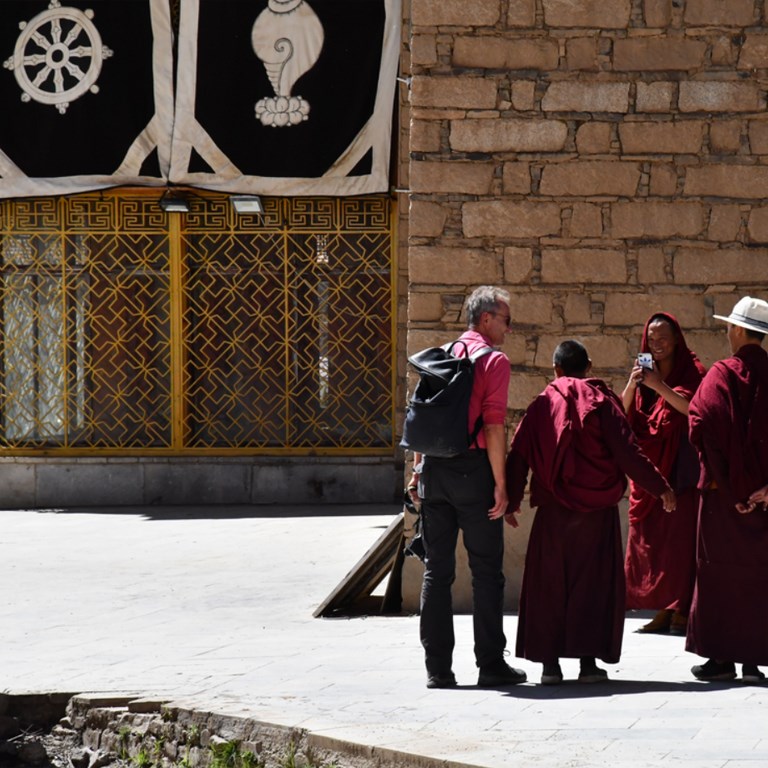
{"x": 436, "y": 416}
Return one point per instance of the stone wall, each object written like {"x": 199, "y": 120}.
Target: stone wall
{"x": 601, "y": 160}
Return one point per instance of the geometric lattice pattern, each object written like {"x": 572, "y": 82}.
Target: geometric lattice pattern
{"x": 129, "y": 330}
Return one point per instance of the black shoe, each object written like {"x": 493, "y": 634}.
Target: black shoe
{"x": 552, "y": 674}
{"x": 441, "y": 680}
{"x": 751, "y": 674}
{"x": 715, "y": 670}
{"x": 589, "y": 672}
{"x": 500, "y": 673}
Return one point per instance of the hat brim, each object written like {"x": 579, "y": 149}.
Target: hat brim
{"x": 743, "y": 323}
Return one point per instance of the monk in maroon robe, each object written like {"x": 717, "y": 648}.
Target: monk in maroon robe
{"x": 729, "y": 426}
{"x": 576, "y": 441}
{"x": 660, "y": 564}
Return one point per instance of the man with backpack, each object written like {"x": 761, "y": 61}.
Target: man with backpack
{"x": 468, "y": 492}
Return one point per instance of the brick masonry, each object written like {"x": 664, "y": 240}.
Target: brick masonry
{"x": 601, "y": 160}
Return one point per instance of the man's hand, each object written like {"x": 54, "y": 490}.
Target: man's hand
{"x": 669, "y": 500}
{"x": 501, "y": 503}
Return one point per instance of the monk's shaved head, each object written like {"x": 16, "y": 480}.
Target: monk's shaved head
{"x": 571, "y": 358}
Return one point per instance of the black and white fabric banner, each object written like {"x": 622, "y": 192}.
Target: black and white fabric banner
{"x": 286, "y": 97}
{"x": 86, "y": 90}
{"x": 279, "y": 97}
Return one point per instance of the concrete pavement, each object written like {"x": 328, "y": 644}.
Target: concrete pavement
{"x": 212, "y": 609}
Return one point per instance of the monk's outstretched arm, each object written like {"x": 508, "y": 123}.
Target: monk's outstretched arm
{"x": 629, "y": 456}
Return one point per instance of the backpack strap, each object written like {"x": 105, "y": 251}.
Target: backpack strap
{"x": 473, "y": 359}
{"x": 479, "y": 423}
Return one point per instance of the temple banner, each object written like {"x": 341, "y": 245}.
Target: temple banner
{"x": 280, "y": 97}
{"x": 86, "y": 91}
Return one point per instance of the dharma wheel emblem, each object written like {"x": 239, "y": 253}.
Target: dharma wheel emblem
{"x": 58, "y": 56}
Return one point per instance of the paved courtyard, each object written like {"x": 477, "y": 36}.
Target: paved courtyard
{"x": 212, "y": 608}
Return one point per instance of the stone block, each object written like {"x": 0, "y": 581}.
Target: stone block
{"x": 17, "y": 485}
{"x": 423, "y": 50}
{"x": 647, "y": 54}
{"x": 424, "y": 136}
{"x": 426, "y": 219}
{"x": 521, "y": 13}
{"x": 758, "y": 137}
{"x": 518, "y": 263}
{"x": 661, "y": 138}
{"x": 506, "y": 218}
{"x": 723, "y": 304}
{"x": 737, "y": 181}
{"x": 725, "y": 52}
{"x": 754, "y": 51}
{"x": 712, "y": 345}
{"x": 197, "y": 483}
{"x": 658, "y": 13}
{"x": 699, "y": 266}
{"x": 583, "y": 265}
{"x": 453, "y": 92}
{"x": 590, "y": 177}
{"x": 607, "y": 14}
{"x": 418, "y": 339}
{"x": 663, "y": 180}
{"x": 447, "y": 265}
{"x": 729, "y": 13}
{"x": 93, "y": 483}
{"x": 586, "y": 220}
{"x": 651, "y": 266}
{"x": 725, "y": 136}
{"x": 323, "y": 482}
{"x": 581, "y": 53}
{"x": 605, "y": 351}
{"x": 531, "y": 308}
{"x": 586, "y": 97}
{"x": 439, "y": 13}
{"x": 577, "y": 310}
{"x": 488, "y": 52}
{"x": 717, "y": 96}
{"x": 634, "y": 309}
{"x": 654, "y": 97}
{"x": 757, "y": 227}
{"x": 514, "y": 347}
{"x": 724, "y": 223}
{"x": 508, "y": 135}
{"x": 516, "y": 178}
{"x": 424, "y": 307}
{"x": 593, "y": 138}
{"x": 523, "y": 95}
{"x": 524, "y": 387}
{"x": 656, "y": 220}
{"x": 466, "y": 178}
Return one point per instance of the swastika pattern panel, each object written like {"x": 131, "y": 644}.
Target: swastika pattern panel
{"x": 127, "y": 329}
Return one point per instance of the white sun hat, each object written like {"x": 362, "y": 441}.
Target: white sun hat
{"x": 749, "y": 313}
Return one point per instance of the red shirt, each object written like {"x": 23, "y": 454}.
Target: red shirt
{"x": 490, "y": 386}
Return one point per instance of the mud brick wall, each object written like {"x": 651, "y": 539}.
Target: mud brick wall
{"x": 601, "y": 159}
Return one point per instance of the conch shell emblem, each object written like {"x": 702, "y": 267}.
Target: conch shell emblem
{"x": 287, "y": 36}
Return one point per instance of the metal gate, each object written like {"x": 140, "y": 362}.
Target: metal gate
{"x": 128, "y": 330}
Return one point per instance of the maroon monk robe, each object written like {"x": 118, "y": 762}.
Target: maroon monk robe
{"x": 729, "y": 427}
{"x": 660, "y": 563}
{"x": 578, "y": 444}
